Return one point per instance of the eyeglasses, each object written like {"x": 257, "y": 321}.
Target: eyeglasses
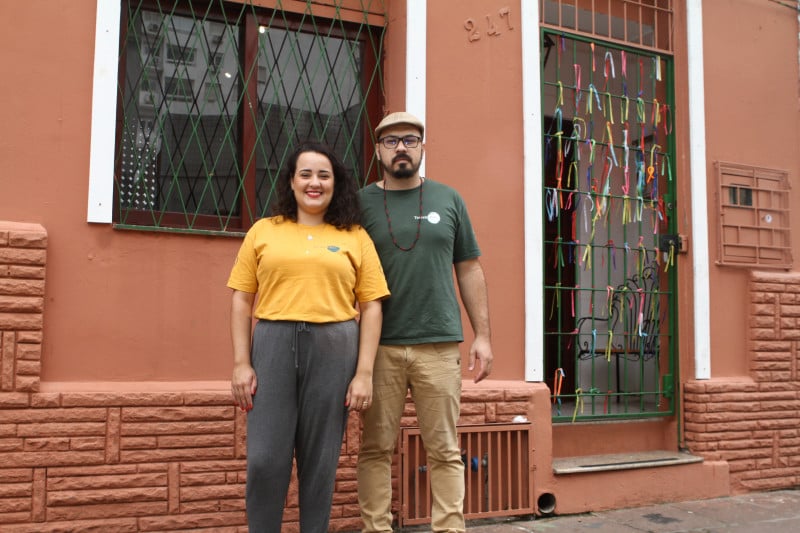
{"x": 409, "y": 141}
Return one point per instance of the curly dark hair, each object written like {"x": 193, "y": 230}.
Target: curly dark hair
{"x": 344, "y": 210}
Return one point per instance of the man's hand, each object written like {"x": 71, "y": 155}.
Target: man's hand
{"x": 481, "y": 350}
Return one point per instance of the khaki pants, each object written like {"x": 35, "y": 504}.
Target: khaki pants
{"x": 433, "y": 373}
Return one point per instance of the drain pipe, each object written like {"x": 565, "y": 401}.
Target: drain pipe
{"x": 546, "y": 504}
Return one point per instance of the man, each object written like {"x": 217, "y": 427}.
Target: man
{"x": 421, "y": 230}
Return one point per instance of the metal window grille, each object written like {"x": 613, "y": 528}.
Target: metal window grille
{"x": 609, "y": 231}
{"x": 646, "y": 24}
{"x": 214, "y": 96}
{"x": 497, "y": 476}
{"x": 753, "y": 218}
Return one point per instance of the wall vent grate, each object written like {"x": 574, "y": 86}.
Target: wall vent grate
{"x": 497, "y": 473}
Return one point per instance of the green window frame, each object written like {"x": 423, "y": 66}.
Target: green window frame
{"x": 214, "y": 96}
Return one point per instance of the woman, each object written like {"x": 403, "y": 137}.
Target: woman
{"x": 309, "y": 360}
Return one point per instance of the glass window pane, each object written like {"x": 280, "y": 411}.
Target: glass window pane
{"x": 309, "y": 88}
{"x": 179, "y": 134}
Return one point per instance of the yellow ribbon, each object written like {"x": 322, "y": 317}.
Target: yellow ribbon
{"x": 671, "y": 257}
{"x": 578, "y": 403}
{"x": 560, "y": 97}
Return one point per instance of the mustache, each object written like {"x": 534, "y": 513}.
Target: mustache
{"x": 401, "y": 157}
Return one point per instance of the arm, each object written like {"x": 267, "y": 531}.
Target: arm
{"x": 472, "y": 286}
{"x": 360, "y": 389}
{"x": 243, "y": 382}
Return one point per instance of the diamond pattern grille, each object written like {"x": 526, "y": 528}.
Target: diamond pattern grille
{"x": 216, "y": 95}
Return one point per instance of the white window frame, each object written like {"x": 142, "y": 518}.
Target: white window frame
{"x": 104, "y": 112}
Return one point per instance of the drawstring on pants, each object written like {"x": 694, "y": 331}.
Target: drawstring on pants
{"x": 298, "y": 328}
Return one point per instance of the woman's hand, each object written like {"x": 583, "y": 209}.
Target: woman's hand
{"x": 243, "y": 386}
{"x": 243, "y": 382}
{"x": 359, "y": 393}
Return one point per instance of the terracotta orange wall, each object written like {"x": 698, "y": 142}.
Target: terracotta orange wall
{"x": 751, "y": 118}
{"x": 394, "y": 65}
{"x": 139, "y": 306}
{"x": 123, "y": 305}
{"x": 474, "y": 143}
{"x": 119, "y": 305}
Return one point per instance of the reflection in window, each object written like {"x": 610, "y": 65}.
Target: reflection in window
{"x": 179, "y": 88}
{"x": 180, "y": 54}
{"x": 310, "y": 85}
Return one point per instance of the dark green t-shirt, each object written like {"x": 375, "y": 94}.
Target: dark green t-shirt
{"x": 423, "y": 306}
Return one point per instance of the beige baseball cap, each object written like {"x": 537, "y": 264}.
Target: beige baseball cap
{"x": 400, "y": 117}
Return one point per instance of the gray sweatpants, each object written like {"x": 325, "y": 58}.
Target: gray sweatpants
{"x": 303, "y": 372}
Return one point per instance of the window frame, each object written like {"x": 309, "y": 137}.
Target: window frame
{"x": 367, "y": 27}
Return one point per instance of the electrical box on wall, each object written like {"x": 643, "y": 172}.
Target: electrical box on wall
{"x": 754, "y": 227}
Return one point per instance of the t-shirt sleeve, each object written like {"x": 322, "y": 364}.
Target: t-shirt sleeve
{"x": 243, "y": 274}
{"x": 370, "y": 279}
{"x": 466, "y": 245}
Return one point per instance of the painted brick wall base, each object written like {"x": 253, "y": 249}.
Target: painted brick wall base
{"x": 141, "y": 460}
{"x": 22, "y": 273}
{"x": 754, "y": 424}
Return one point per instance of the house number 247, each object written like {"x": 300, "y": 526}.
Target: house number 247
{"x": 494, "y": 25}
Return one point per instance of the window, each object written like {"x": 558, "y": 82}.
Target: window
{"x": 180, "y": 54}
{"x": 753, "y": 216}
{"x": 647, "y": 24}
{"x": 216, "y": 95}
{"x": 213, "y": 91}
{"x": 215, "y": 63}
{"x": 742, "y": 196}
{"x": 178, "y": 88}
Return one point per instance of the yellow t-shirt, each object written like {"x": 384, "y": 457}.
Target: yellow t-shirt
{"x": 307, "y": 273}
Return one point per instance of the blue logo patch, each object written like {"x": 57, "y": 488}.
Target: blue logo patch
{"x": 333, "y": 248}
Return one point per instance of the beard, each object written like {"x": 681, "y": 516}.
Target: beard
{"x": 404, "y": 172}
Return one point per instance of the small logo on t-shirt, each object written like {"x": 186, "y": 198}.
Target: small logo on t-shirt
{"x": 333, "y": 248}
{"x": 432, "y": 217}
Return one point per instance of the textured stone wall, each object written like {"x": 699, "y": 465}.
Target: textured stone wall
{"x": 754, "y": 424}
{"x": 144, "y": 460}
{"x": 22, "y": 272}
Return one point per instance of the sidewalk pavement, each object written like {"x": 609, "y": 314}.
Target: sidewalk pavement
{"x": 767, "y": 512}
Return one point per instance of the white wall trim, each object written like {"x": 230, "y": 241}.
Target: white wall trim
{"x": 699, "y": 188}
{"x": 532, "y": 186}
{"x": 416, "y": 61}
{"x": 104, "y": 110}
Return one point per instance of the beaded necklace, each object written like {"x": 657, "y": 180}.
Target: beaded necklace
{"x": 389, "y": 218}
